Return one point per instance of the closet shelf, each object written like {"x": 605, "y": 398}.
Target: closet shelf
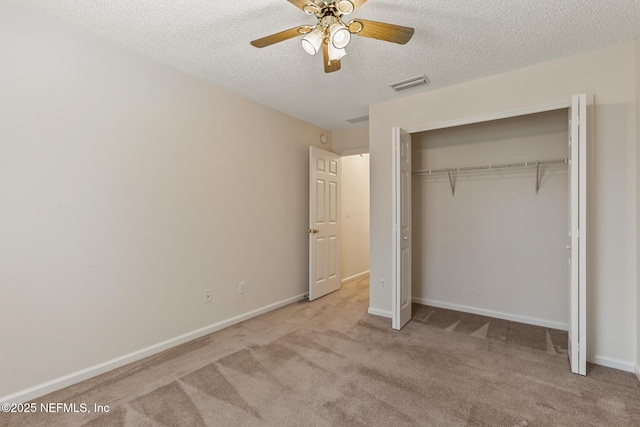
{"x": 490, "y": 167}
{"x": 449, "y": 171}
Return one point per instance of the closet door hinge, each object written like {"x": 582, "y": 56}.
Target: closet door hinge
{"x": 578, "y": 233}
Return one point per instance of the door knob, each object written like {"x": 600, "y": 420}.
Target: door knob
{"x": 314, "y": 231}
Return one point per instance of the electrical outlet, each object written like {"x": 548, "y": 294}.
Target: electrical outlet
{"x": 207, "y": 295}
{"x": 241, "y": 288}
{"x": 383, "y": 284}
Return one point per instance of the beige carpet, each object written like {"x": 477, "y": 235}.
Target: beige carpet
{"x": 328, "y": 363}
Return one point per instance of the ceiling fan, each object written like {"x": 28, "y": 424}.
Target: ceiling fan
{"x": 331, "y": 34}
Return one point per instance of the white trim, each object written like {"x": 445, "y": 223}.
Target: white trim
{"x": 353, "y": 151}
{"x": 84, "y": 374}
{"x": 637, "y": 372}
{"x": 494, "y": 116}
{"x": 496, "y": 314}
{"x": 355, "y": 276}
{"x": 395, "y": 198}
{"x": 610, "y": 362}
{"x": 381, "y": 313}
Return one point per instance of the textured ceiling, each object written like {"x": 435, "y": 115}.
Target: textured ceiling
{"x": 454, "y": 41}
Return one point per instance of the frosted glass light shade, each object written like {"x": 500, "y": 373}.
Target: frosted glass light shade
{"x": 335, "y": 53}
{"x": 312, "y": 42}
{"x": 344, "y": 6}
{"x": 339, "y": 35}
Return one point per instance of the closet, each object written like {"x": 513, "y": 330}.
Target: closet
{"x": 490, "y": 218}
{"x": 495, "y": 218}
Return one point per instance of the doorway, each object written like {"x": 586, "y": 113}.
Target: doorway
{"x": 355, "y": 217}
{"x": 339, "y": 224}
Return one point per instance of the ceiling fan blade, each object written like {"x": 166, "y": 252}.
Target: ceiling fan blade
{"x": 329, "y": 65}
{"x": 358, "y": 3}
{"x": 281, "y": 36}
{"x": 308, "y": 6}
{"x": 381, "y": 31}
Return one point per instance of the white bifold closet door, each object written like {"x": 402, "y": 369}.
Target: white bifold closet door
{"x": 401, "y": 289}
{"x": 578, "y": 234}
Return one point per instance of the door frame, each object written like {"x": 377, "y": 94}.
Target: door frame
{"x": 341, "y": 155}
{"x": 566, "y": 104}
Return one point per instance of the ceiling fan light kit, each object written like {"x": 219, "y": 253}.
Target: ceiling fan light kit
{"x": 339, "y": 35}
{"x": 331, "y": 34}
{"x": 345, "y": 7}
{"x": 312, "y": 42}
{"x": 335, "y": 53}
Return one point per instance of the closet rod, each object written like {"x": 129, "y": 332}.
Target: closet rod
{"x": 491, "y": 167}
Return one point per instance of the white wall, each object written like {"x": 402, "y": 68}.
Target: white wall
{"x": 608, "y": 74}
{"x": 355, "y": 215}
{"x": 127, "y": 188}
{"x": 495, "y": 247}
{"x": 351, "y": 141}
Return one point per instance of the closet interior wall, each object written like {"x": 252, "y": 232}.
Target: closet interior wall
{"x": 495, "y": 247}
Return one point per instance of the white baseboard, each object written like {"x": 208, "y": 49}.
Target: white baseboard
{"x": 381, "y": 313}
{"x": 355, "y": 276}
{"x": 496, "y": 314}
{"x": 84, "y": 374}
{"x": 610, "y": 362}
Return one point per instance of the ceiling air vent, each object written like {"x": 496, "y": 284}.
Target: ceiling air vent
{"x": 412, "y": 82}
{"x": 358, "y": 120}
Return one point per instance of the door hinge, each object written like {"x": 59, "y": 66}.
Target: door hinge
{"x": 395, "y": 227}
{"x": 578, "y": 233}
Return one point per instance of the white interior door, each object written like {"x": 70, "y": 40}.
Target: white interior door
{"x": 401, "y": 288}
{"x": 578, "y": 235}
{"x": 325, "y": 175}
